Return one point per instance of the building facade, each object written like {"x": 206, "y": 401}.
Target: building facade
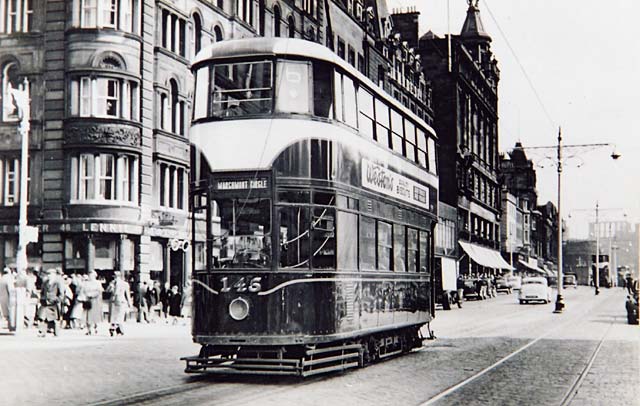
{"x": 465, "y": 94}
{"x": 110, "y": 92}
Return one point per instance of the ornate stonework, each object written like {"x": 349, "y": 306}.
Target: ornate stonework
{"x": 103, "y": 134}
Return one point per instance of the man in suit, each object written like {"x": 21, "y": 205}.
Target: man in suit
{"x": 51, "y": 298}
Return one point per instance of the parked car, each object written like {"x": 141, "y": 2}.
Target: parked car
{"x": 632, "y": 309}
{"x": 514, "y": 282}
{"x": 570, "y": 280}
{"x": 503, "y": 286}
{"x": 535, "y": 289}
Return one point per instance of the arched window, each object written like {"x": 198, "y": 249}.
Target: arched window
{"x": 197, "y": 33}
{"x": 10, "y": 80}
{"x": 292, "y": 26}
{"x": 175, "y": 107}
{"x": 217, "y": 32}
{"x": 276, "y": 21}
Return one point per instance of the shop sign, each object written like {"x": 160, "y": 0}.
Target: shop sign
{"x": 392, "y": 184}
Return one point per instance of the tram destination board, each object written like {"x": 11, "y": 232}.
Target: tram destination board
{"x": 257, "y": 182}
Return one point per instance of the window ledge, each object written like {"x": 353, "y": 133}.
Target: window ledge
{"x": 100, "y": 202}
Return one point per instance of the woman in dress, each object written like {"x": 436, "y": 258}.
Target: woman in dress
{"x": 92, "y": 290}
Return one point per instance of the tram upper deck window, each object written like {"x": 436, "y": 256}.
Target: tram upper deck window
{"x": 293, "y": 87}
{"x": 322, "y": 90}
{"x": 243, "y": 88}
{"x": 245, "y": 240}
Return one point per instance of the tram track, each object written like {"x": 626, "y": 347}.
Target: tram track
{"x": 575, "y": 386}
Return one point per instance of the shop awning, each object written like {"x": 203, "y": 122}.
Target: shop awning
{"x": 532, "y": 268}
{"x": 484, "y": 256}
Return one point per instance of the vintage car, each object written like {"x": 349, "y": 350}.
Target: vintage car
{"x": 534, "y": 289}
{"x": 570, "y": 280}
{"x": 514, "y": 282}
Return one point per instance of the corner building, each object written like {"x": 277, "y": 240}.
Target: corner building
{"x": 110, "y": 92}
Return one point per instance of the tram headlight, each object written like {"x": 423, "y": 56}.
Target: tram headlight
{"x": 239, "y": 309}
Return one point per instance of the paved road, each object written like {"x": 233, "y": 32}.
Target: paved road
{"x": 553, "y": 353}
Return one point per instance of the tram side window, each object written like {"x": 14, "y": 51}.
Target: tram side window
{"x": 243, "y": 88}
{"x": 424, "y": 252}
{"x": 397, "y": 132}
{"x": 345, "y": 94}
{"x": 294, "y": 237}
{"x": 385, "y": 246}
{"x": 431, "y": 147}
{"x": 293, "y": 87}
{"x": 367, "y": 243}
{"x": 323, "y": 243}
{"x": 322, "y": 90}
{"x": 412, "y": 250}
{"x": 422, "y": 147}
{"x": 366, "y": 119}
{"x": 245, "y": 240}
{"x": 347, "y": 241}
{"x": 382, "y": 120}
{"x": 200, "y": 99}
{"x": 399, "y": 248}
{"x": 410, "y": 140}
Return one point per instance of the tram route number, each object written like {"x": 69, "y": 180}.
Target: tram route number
{"x": 244, "y": 284}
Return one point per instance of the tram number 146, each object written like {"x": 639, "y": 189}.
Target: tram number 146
{"x": 244, "y": 284}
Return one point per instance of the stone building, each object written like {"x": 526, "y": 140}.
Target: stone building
{"x": 465, "y": 99}
{"x": 110, "y": 92}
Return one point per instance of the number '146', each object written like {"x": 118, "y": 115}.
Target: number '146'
{"x": 244, "y": 284}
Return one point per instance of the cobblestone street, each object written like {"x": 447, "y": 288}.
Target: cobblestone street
{"x": 143, "y": 366}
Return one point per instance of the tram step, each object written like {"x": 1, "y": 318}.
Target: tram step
{"x": 330, "y": 368}
{"x": 329, "y": 359}
{"x": 337, "y": 348}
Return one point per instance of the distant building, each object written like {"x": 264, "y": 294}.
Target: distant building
{"x": 576, "y": 259}
{"x": 620, "y": 240}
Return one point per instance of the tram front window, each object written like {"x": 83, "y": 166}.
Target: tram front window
{"x": 245, "y": 240}
{"x": 239, "y": 89}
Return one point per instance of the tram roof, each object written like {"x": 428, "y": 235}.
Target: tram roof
{"x": 251, "y": 47}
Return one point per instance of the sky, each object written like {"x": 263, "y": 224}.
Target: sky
{"x": 582, "y": 58}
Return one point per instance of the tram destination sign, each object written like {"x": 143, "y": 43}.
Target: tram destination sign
{"x": 242, "y": 182}
{"x": 392, "y": 184}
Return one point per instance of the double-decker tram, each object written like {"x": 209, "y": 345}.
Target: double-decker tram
{"x": 320, "y": 197}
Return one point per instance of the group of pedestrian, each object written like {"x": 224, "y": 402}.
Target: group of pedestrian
{"x": 155, "y": 301}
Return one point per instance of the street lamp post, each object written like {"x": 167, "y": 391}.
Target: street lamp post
{"x": 559, "y": 299}
{"x": 559, "y": 148}
{"x": 596, "y": 282}
{"x": 25, "y": 233}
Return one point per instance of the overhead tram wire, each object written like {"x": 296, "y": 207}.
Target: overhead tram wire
{"x": 524, "y": 72}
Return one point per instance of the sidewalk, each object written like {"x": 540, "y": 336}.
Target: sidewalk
{"x": 28, "y": 339}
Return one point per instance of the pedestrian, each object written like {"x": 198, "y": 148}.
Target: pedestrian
{"x": 92, "y": 305}
{"x": 141, "y": 302}
{"x": 185, "y": 307}
{"x": 460, "y": 290}
{"x": 78, "y": 315}
{"x": 32, "y": 299}
{"x": 629, "y": 283}
{"x": 51, "y": 298}
{"x": 119, "y": 303}
{"x": 67, "y": 302}
{"x": 7, "y": 287}
{"x": 153, "y": 299}
{"x": 175, "y": 304}
{"x": 165, "y": 298}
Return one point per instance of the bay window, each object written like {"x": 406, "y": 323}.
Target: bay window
{"x": 104, "y": 97}
{"x": 17, "y": 16}
{"x": 10, "y": 181}
{"x": 116, "y": 14}
{"x": 104, "y": 177}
